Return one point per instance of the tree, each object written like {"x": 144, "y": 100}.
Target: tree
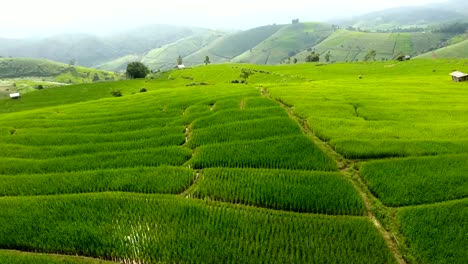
{"x": 96, "y": 77}
{"x": 295, "y": 21}
{"x": 207, "y": 60}
{"x": 313, "y": 57}
{"x": 370, "y": 55}
{"x": 327, "y": 57}
{"x": 72, "y": 62}
{"x": 137, "y": 70}
{"x": 179, "y": 61}
{"x": 295, "y": 60}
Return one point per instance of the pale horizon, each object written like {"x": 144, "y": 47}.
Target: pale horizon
{"x": 51, "y": 17}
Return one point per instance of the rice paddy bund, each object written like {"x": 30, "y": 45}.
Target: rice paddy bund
{"x": 289, "y": 166}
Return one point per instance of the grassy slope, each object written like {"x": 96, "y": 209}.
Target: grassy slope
{"x": 393, "y": 103}
{"x": 106, "y": 133}
{"x": 226, "y": 48}
{"x": 289, "y": 40}
{"x": 166, "y": 56}
{"x": 350, "y": 46}
{"x": 119, "y": 64}
{"x": 24, "y": 74}
{"x": 459, "y": 50}
{"x": 405, "y": 17}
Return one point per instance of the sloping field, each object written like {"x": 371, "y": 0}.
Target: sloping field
{"x": 406, "y": 124}
{"x": 341, "y": 163}
{"x": 285, "y": 43}
{"x": 134, "y": 178}
{"x": 350, "y": 46}
{"x": 459, "y": 50}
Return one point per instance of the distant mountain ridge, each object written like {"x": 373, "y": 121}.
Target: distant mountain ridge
{"x": 159, "y": 46}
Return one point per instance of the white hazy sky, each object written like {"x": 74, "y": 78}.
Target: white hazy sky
{"x": 23, "y": 18}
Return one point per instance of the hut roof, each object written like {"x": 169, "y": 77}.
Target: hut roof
{"x": 458, "y": 74}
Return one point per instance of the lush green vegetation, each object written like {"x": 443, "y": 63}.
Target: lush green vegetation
{"x": 25, "y": 75}
{"x": 418, "y": 180}
{"x": 143, "y": 228}
{"x": 165, "y": 180}
{"x": 177, "y": 173}
{"x": 387, "y": 104}
{"x": 316, "y": 192}
{"x": 294, "y": 152}
{"x": 351, "y": 46}
{"x": 458, "y": 50}
{"x": 285, "y": 43}
{"x": 17, "y": 257}
{"x": 437, "y": 233}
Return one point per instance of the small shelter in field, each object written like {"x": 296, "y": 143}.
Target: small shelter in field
{"x": 181, "y": 67}
{"x": 15, "y": 95}
{"x": 458, "y": 76}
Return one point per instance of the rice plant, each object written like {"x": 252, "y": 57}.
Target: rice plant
{"x": 300, "y": 191}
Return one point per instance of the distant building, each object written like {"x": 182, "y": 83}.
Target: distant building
{"x": 15, "y": 95}
{"x": 181, "y": 67}
{"x": 458, "y": 76}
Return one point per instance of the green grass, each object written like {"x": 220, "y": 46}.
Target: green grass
{"x": 394, "y": 103}
{"x": 301, "y": 191}
{"x": 61, "y": 72}
{"x": 288, "y": 41}
{"x": 230, "y": 46}
{"x": 246, "y": 130}
{"x": 458, "y": 50}
{"x": 164, "y": 180}
{"x": 157, "y": 228}
{"x": 436, "y": 233}
{"x": 418, "y": 180}
{"x": 293, "y": 152}
{"x": 351, "y": 46}
{"x": 17, "y": 257}
{"x": 166, "y": 56}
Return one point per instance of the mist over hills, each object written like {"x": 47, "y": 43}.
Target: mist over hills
{"x": 159, "y": 46}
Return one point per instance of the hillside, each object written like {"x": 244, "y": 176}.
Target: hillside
{"x": 227, "y": 48}
{"x": 120, "y": 64}
{"x": 166, "y": 56}
{"x": 292, "y": 167}
{"x": 89, "y": 50}
{"x": 285, "y": 43}
{"x": 459, "y": 50}
{"x": 403, "y": 17}
{"x": 24, "y": 74}
{"x": 345, "y": 45}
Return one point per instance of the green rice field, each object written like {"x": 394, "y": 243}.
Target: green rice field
{"x": 299, "y": 164}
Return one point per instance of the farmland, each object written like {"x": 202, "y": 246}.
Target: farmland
{"x": 339, "y": 163}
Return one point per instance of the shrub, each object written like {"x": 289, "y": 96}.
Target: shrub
{"x": 116, "y": 93}
{"x": 143, "y": 90}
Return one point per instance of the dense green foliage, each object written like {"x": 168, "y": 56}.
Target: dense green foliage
{"x": 293, "y": 152}
{"x": 316, "y": 192}
{"x": 418, "y": 180}
{"x": 137, "y": 70}
{"x": 16, "y": 257}
{"x": 143, "y": 228}
{"x": 195, "y": 135}
{"x": 437, "y": 233}
{"x": 163, "y": 180}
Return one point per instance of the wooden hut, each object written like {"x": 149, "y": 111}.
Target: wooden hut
{"x": 458, "y": 76}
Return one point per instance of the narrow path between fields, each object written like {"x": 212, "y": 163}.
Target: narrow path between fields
{"x": 347, "y": 168}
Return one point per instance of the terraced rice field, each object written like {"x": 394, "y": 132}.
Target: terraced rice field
{"x": 264, "y": 172}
